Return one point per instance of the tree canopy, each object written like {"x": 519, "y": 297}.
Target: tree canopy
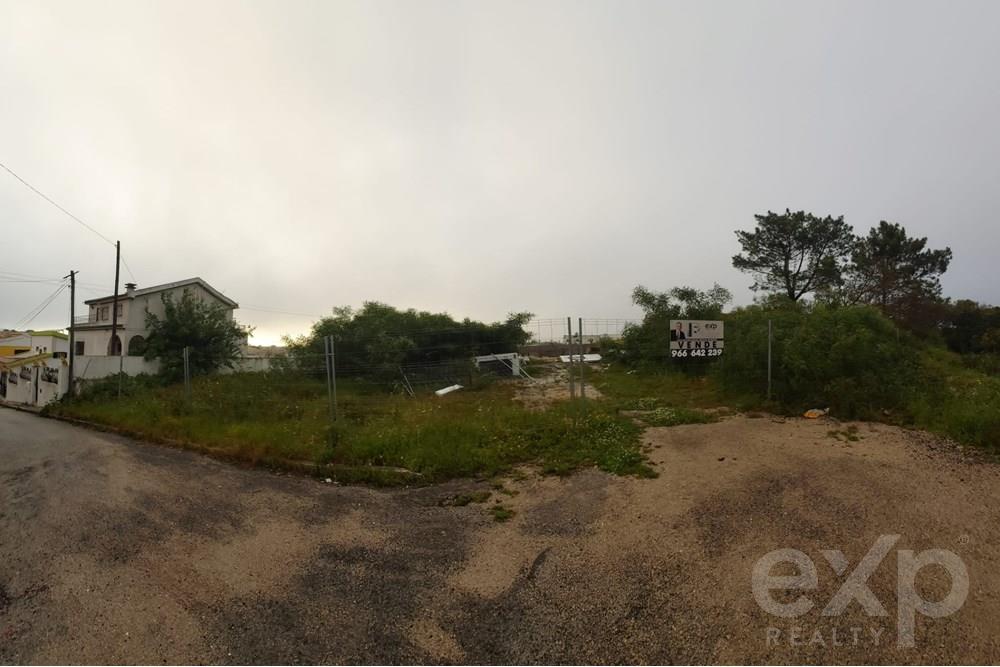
{"x": 646, "y": 342}
{"x": 378, "y": 338}
{"x": 207, "y": 328}
{"x": 893, "y": 271}
{"x": 794, "y": 253}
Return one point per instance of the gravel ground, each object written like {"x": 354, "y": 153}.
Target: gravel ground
{"x": 115, "y": 551}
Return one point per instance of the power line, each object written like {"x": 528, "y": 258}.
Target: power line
{"x": 39, "y": 309}
{"x": 54, "y": 203}
{"x": 125, "y": 264}
{"x": 11, "y": 276}
{"x": 51, "y": 201}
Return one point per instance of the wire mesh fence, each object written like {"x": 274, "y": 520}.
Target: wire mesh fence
{"x": 430, "y": 360}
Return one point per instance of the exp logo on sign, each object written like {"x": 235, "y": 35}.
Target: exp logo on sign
{"x": 855, "y": 586}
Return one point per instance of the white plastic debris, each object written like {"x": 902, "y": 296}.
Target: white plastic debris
{"x": 587, "y": 358}
{"x": 448, "y": 390}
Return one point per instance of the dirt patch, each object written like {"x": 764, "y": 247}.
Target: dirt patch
{"x": 135, "y": 554}
{"x": 553, "y": 387}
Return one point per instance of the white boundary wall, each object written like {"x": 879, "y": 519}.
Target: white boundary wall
{"x": 93, "y": 367}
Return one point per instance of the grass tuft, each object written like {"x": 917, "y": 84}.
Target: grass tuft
{"x": 501, "y": 513}
{"x": 677, "y": 416}
{"x": 274, "y": 417}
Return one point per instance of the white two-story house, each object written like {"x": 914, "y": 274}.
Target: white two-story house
{"x": 93, "y": 332}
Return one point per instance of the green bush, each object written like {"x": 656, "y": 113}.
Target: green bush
{"x": 850, "y": 359}
{"x": 107, "y": 388}
{"x": 647, "y": 344}
{"x": 677, "y": 416}
{"x": 956, "y": 401}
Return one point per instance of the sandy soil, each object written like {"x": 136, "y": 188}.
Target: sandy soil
{"x": 553, "y": 387}
{"x": 118, "y": 551}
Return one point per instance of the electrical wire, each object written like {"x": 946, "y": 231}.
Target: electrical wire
{"x": 51, "y": 201}
{"x": 71, "y": 216}
{"x": 40, "y": 308}
{"x": 10, "y": 276}
{"x": 125, "y": 264}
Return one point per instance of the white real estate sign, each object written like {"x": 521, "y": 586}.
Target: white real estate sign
{"x": 696, "y": 338}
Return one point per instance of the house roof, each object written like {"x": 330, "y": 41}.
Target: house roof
{"x": 170, "y": 286}
{"x": 10, "y": 333}
{"x": 49, "y": 332}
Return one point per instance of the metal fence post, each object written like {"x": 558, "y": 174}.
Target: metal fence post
{"x": 769, "y": 360}
{"x": 121, "y": 372}
{"x": 331, "y": 377}
{"x": 569, "y": 332}
{"x": 583, "y": 384}
{"x": 187, "y": 373}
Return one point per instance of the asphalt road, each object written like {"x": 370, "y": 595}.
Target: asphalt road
{"x": 115, "y": 551}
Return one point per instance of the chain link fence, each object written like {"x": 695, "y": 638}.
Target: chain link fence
{"x": 568, "y": 345}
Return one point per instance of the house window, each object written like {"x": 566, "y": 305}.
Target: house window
{"x": 120, "y": 310}
{"x": 136, "y": 346}
{"x": 104, "y": 313}
{"x": 79, "y": 348}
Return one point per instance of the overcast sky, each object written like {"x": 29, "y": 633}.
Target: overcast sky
{"x": 481, "y": 157}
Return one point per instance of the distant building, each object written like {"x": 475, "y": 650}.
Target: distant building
{"x": 33, "y": 379}
{"x": 23, "y": 343}
{"x": 93, "y": 332}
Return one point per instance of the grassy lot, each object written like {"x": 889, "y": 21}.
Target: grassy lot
{"x": 270, "y": 418}
{"x": 647, "y": 389}
{"x": 951, "y": 399}
{"x": 957, "y": 401}
{"x": 267, "y": 418}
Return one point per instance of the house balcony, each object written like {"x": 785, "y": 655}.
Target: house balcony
{"x": 86, "y": 322}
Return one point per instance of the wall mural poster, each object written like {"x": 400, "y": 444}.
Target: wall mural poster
{"x": 26, "y": 372}
{"x": 12, "y": 377}
{"x": 50, "y": 375}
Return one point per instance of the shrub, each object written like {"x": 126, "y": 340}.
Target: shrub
{"x": 648, "y": 343}
{"x": 850, "y": 359}
{"x": 677, "y": 416}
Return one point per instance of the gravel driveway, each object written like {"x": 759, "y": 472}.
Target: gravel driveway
{"x": 117, "y": 551}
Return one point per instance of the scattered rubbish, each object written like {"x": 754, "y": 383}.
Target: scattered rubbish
{"x": 448, "y": 390}
{"x": 328, "y": 480}
{"x": 815, "y": 413}
{"x": 575, "y": 358}
{"x": 506, "y": 364}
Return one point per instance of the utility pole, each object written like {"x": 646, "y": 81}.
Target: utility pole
{"x": 114, "y": 303}
{"x": 72, "y": 326}
{"x": 114, "y": 318}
